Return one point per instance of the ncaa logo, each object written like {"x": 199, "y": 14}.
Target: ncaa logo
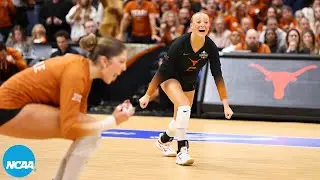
{"x": 19, "y": 161}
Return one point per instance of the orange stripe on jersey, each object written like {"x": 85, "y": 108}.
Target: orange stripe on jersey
{"x": 221, "y": 87}
{"x": 154, "y": 84}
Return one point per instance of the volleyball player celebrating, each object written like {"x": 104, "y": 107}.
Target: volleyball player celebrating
{"x": 177, "y": 77}
{"x": 49, "y": 100}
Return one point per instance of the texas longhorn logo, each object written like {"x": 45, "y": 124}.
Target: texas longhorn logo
{"x": 280, "y": 80}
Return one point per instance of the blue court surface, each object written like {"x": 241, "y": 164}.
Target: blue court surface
{"x": 220, "y": 138}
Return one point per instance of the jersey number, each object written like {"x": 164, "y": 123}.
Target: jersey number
{"x": 39, "y": 66}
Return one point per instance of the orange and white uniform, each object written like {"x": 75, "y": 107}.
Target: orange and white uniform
{"x": 140, "y": 17}
{"x": 63, "y": 82}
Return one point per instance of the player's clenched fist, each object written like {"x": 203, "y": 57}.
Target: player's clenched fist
{"x": 123, "y": 112}
{"x": 144, "y": 101}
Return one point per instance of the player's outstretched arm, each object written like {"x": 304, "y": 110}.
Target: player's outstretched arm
{"x": 215, "y": 67}
{"x": 144, "y": 100}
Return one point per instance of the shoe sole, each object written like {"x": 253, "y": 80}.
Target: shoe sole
{"x": 187, "y": 163}
{"x": 168, "y": 155}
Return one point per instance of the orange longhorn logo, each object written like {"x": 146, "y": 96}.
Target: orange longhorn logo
{"x": 280, "y": 80}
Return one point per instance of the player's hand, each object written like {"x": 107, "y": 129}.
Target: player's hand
{"x": 123, "y": 112}
{"x": 228, "y": 112}
{"x": 144, "y": 101}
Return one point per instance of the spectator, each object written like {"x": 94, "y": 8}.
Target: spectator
{"x": 62, "y": 38}
{"x": 271, "y": 13}
{"x": 11, "y": 62}
{"x": 292, "y": 44}
{"x": 164, "y": 6}
{"x": 246, "y": 24}
{"x": 220, "y": 35}
{"x": 303, "y": 25}
{"x": 90, "y": 27}
{"x": 7, "y": 11}
{"x": 272, "y": 23}
{"x": 315, "y": 24}
{"x": 299, "y": 15}
{"x": 224, "y": 7}
{"x": 234, "y": 40}
{"x": 278, "y": 4}
{"x": 52, "y": 16}
{"x": 77, "y": 15}
{"x": 271, "y": 40}
{"x": 308, "y": 12}
{"x": 186, "y": 4}
{"x": 142, "y": 15}
{"x": 170, "y": 27}
{"x": 257, "y": 11}
{"x": 100, "y": 10}
{"x": 19, "y": 41}
{"x": 287, "y": 20}
{"x": 174, "y": 5}
{"x": 309, "y": 44}
{"x": 252, "y": 44}
{"x": 39, "y": 34}
{"x": 184, "y": 19}
{"x": 233, "y": 21}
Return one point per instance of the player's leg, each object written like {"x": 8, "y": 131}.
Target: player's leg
{"x": 164, "y": 142}
{"x": 174, "y": 91}
{"x": 171, "y": 130}
{"x": 36, "y": 121}
{"x": 183, "y": 157}
{"x": 87, "y": 134}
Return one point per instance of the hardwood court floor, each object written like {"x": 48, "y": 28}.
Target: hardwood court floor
{"x": 138, "y": 159}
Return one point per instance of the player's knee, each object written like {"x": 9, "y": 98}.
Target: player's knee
{"x": 183, "y": 116}
{"x": 184, "y": 101}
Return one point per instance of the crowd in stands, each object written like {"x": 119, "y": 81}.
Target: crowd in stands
{"x": 260, "y": 26}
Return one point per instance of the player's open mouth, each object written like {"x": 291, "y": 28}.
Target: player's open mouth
{"x": 202, "y": 30}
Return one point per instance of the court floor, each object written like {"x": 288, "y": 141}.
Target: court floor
{"x": 223, "y": 150}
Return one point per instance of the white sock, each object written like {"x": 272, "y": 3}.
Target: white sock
{"x": 181, "y": 134}
{"x": 80, "y": 152}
